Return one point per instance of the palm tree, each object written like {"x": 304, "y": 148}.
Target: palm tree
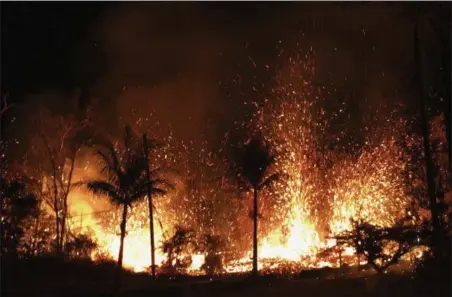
{"x": 154, "y": 186}
{"x": 254, "y": 162}
{"x": 125, "y": 183}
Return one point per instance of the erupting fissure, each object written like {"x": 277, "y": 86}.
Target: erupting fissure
{"x": 322, "y": 190}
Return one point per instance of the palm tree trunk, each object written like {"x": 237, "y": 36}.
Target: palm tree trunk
{"x": 255, "y": 208}
{"x": 117, "y": 285}
{"x": 427, "y": 151}
{"x": 151, "y": 227}
{"x": 151, "y": 212}
{"x": 447, "y": 83}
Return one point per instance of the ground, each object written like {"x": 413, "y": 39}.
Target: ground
{"x": 41, "y": 278}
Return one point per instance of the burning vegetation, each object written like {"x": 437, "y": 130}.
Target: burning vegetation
{"x": 285, "y": 191}
{"x": 292, "y": 178}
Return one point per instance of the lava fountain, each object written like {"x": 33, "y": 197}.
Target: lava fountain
{"x": 324, "y": 188}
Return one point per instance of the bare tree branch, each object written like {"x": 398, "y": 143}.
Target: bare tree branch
{"x": 6, "y": 106}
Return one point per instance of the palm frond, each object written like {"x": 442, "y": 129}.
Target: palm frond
{"x": 125, "y": 173}
{"x": 158, "y": 191}
{"x": 254, "y": 159}
{"x": 100, "y": 187}
{"x": 135, "y": 196}
{"x": 114, "y": 158}
{"x": 79, "y": 184}
{"x": 169, "y": 169}
{"x": 128, "y": 137}
{"x": 159, "y": 182}
{"x": 110, "y": 162}
{"x": 155, "y": 171}
{"x": 269, "y": 180}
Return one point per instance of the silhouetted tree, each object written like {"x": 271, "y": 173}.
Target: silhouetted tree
{"x": 253, "y": 162}
{"x": 211, "y": 246}
{"x": 17, "y": 205}
{"x": 58, "y": 139}
{"x": 80, "y": 246}
{"x": 439, "y": 16}
{"x": 435, "y": 191}
{"x": 371, "y": 241}
{"x": 125, "y": 172}
{"x": 177, "y": 247}
{"x": 4, "y": 107}
{"x": 154, "y": 186}
{"x": 39, "y": 237}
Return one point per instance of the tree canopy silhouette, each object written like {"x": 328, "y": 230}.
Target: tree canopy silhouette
{"x": 17, "y": 204}
{"x": 124, "y": 167}
{"x": 254, "y": 161}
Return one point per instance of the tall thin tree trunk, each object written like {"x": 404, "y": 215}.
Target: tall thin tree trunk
{"x": 2, "y": 103}
{"x": 63, "y": 233}
{"x": 57, "y": 225}
{"x": 447, "y": 52}
{"x": 65, "y": 193}
{"x": 358, "y": 260}
{"x": 57, "y": 215}
{"x": 255, "y": 216}
{"x": 151, "y": 211}
{"x": 427, "y": 150}
{"x": 170, "y": 257}
{"x": 35, "y": 238}
{"x": 118, "y": 278}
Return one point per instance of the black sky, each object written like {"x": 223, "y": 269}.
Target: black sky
{"x": 171, "y": 57}
{"x": 39, "y": 42}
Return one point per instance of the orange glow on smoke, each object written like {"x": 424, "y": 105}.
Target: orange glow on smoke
{"x": 314, "y": 203}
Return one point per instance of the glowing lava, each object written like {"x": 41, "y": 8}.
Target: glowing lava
{"x": 322, "y": 191}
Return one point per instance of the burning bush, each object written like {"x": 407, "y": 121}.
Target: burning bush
{"x": 179, "y": 248}
{"x": 17, "y": 205}
{"x": 212, "y": 246}
{"x": 80, "y": 247}
{"x": 381, "y": 247}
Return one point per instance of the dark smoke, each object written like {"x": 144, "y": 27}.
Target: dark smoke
{"x": 195, "y": 64}
{"x": 183, "y": 60}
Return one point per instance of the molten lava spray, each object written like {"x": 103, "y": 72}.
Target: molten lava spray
{"x": 325, "y": 186}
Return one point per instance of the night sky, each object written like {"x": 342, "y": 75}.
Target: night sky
{"x": 39, "y": 44}
{"x": 131, "y": 58}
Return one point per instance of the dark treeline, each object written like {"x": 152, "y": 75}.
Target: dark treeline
{"x": 34, "y": 190}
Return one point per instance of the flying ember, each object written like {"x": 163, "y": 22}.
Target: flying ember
{"x": 321, "y": 191}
